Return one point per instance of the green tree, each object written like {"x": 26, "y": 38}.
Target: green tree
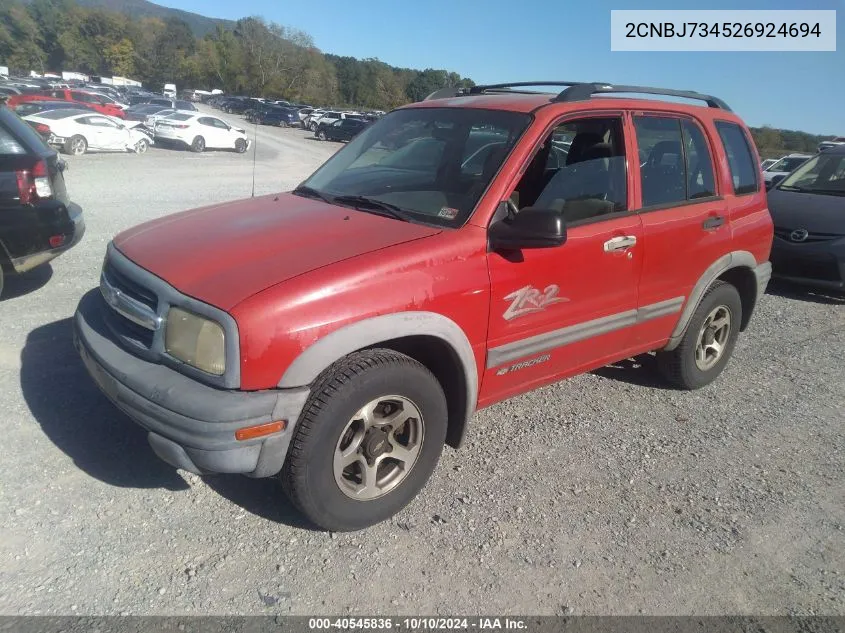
{"x": 21, "y": 41}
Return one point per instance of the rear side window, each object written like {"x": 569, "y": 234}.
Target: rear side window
{"x": 9, "y": 145}
{"x": 742, "y": 165}
{"x": 662, "y": 169}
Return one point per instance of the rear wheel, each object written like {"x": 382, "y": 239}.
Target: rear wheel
{"x": 198, "y": 145}
{"x": 240, "y": 146}
{"x": 368, "y": 440}
{"x": 76, "y": 145}
{"x": 708, "y": 341}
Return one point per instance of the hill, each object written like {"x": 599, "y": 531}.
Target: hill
{"x": 200, "y": 25}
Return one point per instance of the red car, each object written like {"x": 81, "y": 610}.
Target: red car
{"x": 98, "y": 102}
{"x": 458, "y": 252}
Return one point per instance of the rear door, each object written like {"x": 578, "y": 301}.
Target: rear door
{"x": 686, "y": 224}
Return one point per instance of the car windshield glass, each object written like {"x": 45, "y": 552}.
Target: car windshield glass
{"x": 824, "y": 174}
{"x": 432, "y": 163}
{"x": 788, "y": 164}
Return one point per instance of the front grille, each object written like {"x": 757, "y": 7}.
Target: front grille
{"x": 127, "y": 331}
{"x": 785, "y": 234}
{"x": 130, "y": 287}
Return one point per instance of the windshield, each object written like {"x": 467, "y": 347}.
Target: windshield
{"x": 433, "y": 164}
{"x": 788, "y": 163}
{"x": 824, "y": 174}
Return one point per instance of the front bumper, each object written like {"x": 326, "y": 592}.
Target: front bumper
{"x": 191, "y": 425}
{"x": 820, "y": 264}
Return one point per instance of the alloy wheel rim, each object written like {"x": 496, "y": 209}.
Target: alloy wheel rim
{"x": 78, "y": 146}
{"x": 713, "y": 338}
{"x": 378, "y": 447}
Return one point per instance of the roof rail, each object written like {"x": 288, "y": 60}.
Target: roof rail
{"x": 477, "y": 90}
{"x": 583, "y": 91}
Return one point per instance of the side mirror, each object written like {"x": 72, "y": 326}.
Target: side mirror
{"x": 532, "y": 227}
{"x": 775, "y": 180}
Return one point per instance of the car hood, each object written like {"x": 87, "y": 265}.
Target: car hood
{"x": 226, "y": 253}
{"x": 811, "y": 211}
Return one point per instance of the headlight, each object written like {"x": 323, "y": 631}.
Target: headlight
{"x": 196, "y": 341}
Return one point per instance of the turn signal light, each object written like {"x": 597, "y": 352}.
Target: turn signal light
{"x": 260, "y": 430}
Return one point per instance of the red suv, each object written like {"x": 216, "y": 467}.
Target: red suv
{"x": 460, "y": 251}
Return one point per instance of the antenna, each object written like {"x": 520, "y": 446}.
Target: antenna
{"x": 254, "y": 153}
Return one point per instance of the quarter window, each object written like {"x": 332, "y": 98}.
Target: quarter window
{"x": 740, "y": 161}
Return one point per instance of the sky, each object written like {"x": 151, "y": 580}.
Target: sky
{"x": 492, "y": 41}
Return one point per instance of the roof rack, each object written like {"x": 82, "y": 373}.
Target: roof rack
{"x": 577, "y": 91}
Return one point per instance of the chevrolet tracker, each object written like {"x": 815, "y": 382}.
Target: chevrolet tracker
{"x": 458, "y": 252}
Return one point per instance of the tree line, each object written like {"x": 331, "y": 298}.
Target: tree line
{"x": 255, "y": 57}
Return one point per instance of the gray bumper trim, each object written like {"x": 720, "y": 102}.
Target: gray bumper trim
{"x": 192, "y": 425}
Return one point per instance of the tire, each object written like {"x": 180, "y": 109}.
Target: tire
{"x": 335, "y": 498}
{"x": 198, "y": 145}
{"x": 283, "y": 124}
{"x": 240, "y": 146}
{"x": 695, "y": 362}
{"x": 76, "y": 145}
{"x": 321, "y": 134}
{"x": 313, "y": 127}
{"x": 142, "y": 146}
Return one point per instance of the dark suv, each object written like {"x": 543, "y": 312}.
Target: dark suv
{"x": 37, "y": 220}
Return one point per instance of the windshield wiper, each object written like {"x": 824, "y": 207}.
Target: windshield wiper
{"x": 363, "y": 203}
{"x": 309, "y": 192}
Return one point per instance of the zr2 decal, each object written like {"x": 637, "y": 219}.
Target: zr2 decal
{"x": 528, "y": 300}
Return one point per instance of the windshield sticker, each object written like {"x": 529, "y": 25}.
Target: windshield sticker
{"x": 448, "y": 212}
{"x": 529, "y": 299}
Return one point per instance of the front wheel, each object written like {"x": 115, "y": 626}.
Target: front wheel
{"x": 708, "y": 341}
{"x": 367, "y": 441}
{"x": 198, "y": 145}
{"x": 240, "y": 146}
{"x": 76, "y": 146}
{"x": 142, "y": 146}
{"x": 321, "y": 134}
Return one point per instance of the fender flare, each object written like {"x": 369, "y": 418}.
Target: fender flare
{"x": 735, "y": 259}
{"x": 372, "y": 331}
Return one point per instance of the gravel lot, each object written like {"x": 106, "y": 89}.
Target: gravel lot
{"x": 604, "y": 494}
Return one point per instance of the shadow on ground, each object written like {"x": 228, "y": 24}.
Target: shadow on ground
{"x": 640, "y": 370}
{"x": 19, "y": 285}
{"x": 804, "y": 293}
{"x": 105, "y": 443}
{"x": 78, "y": 418}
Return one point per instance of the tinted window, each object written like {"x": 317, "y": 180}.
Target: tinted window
{"x": 700, "y": 181}
{"x": 584, "y": 180}
{"x": 788, "y": 163}
{"x": 178, "y": 117}
{"x": 662, "y": 173}
{"x": 14, "y": 127}
{"x": 9, "y": 144}
{"x": 742, "y": 165}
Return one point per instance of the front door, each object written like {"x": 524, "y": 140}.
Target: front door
{"x": 558, "y": 311}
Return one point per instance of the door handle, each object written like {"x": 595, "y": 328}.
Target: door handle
{"x": 619, "y": 243}
{"x": 713, "y": 222}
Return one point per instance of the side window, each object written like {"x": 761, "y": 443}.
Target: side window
{"x": 742, "y": 165}
{"x": 662, "y": 172}
{"x": 100, "y": 122}
{"x": 207, "y": 121}
{"x": 9, "y": 145}
{"x": 579, "y": 170}
{"x": 220, "y": 124}
{"x": 700, "y": 181}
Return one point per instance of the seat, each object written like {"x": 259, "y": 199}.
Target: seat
{"x": 663, "y": 182}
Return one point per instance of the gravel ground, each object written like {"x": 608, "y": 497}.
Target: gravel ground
{"x": 604, "y": 494}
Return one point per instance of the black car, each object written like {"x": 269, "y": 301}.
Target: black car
{"x": 342, "y": 130}
{"x": 808, "y": 209}
{"x": 276, "y": 115}
{"x": 239, "y": 106}
{"x": 142, "y": 111}
{"x": 37, "y": 219}
{"x": 184, "y": 105}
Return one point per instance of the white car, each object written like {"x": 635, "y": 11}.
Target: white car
{"x": 785, "y": 166}
{"x": 834, "y": 142}
{"x": 200, "y": 131}
{"x": 77, "y": 131}
{"x": 326, "y": 118}
{"x": 151, "y": 119}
